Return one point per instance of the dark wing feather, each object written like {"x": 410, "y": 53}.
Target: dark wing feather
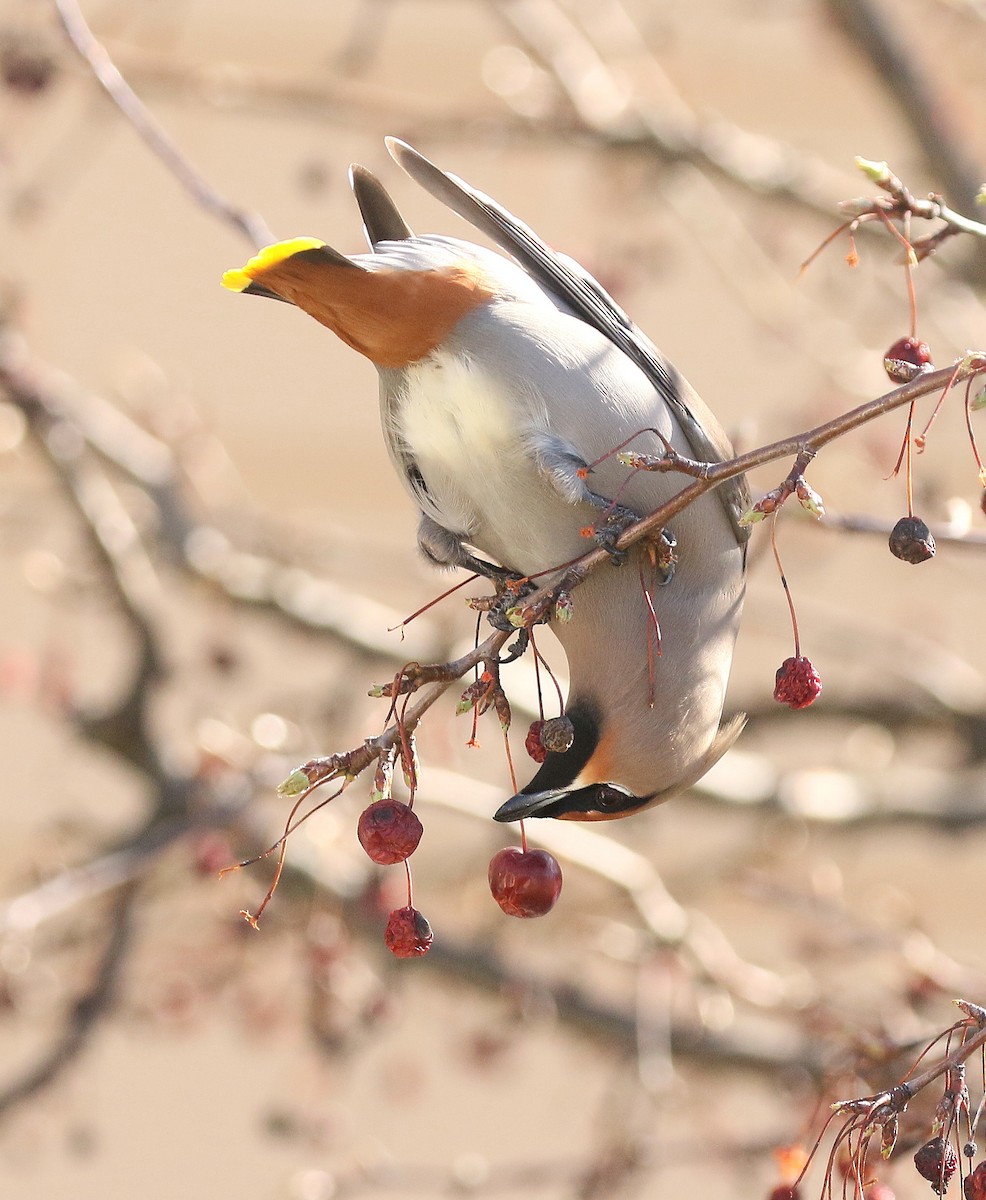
{"x": 382, "y": 219}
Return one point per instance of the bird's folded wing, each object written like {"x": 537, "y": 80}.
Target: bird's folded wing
{"x": 585, "y": 296}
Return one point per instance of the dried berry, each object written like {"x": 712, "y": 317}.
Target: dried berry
{"x": 525, "y": 883}
{"x": 408, "y": 934}
{"x": 974, "y": 1187}
{"x": 533, "y": 744}
{"x": 389, "y": 831}
{"x": 911, "y": 540}
{"x": 906, "y": 358}
{"x": 558, "y": 734}
{"x": 936, "y": 1161}
{"x": 797, "y": 684}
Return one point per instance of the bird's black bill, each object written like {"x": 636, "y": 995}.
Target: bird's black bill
{"x": 602, "y": 799}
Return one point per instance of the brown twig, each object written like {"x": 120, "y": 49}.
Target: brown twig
{"x": 913, "y": 93}
{"x": 251, "y": 225}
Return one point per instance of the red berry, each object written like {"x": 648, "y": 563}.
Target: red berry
{"x": 525, "y": 883}
{"x": 910, "y": 352}
{"x": 974, "y": 1187}
{"x": 797, "y": 684}
{"x": 388, "y": 831}
{"x": 408, "y": 934}
{"x": 785, "y": 1191}
{"x": 912, "y": 541}
{"x": 936, "y": 1161}
{"x": 533, "y": 744}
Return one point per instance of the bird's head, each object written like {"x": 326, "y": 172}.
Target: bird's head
{"x": 583, "y": 783}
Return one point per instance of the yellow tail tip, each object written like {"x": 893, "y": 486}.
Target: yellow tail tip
{"x": 240, "y": 278}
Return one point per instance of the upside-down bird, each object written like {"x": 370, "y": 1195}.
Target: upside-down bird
{"x": 506, "y": 385}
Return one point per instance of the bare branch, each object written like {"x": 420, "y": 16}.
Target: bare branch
{"x": 251, "y": 225}
{"x": 92, "y": 1008}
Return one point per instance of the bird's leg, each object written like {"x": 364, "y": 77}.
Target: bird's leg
{"x": 446, "y": 549}
{"x": 568, "y": 471}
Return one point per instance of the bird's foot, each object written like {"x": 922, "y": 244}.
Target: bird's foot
{"x": 613, "y": 521}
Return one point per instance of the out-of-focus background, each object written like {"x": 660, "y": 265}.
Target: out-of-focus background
{"x": 204, "y": 548}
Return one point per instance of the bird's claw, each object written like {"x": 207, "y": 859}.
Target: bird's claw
{"x": 518, "y": 649}
{"x": 663, "y": 546}
{"x": 616, "y": 518}
{"x": 511, "y": 590}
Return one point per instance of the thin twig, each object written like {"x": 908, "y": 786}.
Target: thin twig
{"x": 251, "y": 225}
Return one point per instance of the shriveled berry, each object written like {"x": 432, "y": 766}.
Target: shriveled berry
{"x": 974, "y": 1185}
{"x": 389, "y": 831}
{"x": 905, "y": 358}
{"x": 912, "y": 541}
{"x": 797, "y": 684}
{"x": 936, "y": 1161}
{"x": 558, "y": 734}
{"x": 533, "y": 744}
{"x": 525, "y": 883}
{"x": 408, "y": 934}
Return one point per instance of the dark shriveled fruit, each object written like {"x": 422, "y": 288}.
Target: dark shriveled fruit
{"x": 912, "y": 541}
{"x": 936, "y": 1161}
{"x": 974, "y": 1187}
{"x": 408, "y": 934}
{"x": 388, "y": 831}
{"x": 525, "y": 884}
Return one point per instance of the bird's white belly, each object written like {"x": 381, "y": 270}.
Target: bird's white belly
{"x": 455, "y": 417}
{"x": 465, "y": 435}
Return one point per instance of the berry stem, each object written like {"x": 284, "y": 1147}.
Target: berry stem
{"x": 537, "y": 671}
{"x": 584, "y": 471}
{"x": 923, "y": 435}
{"x": 908, "y": 455}
{"x": 784, "y": 583}
{"x": 972, "y": 433}
{"x": 431, "y": 603}
{"x": 510, "y": 760}
{"x": 539, "y": 657}
{"x": 654, "y": 648}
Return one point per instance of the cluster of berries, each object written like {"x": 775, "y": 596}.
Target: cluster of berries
{"x": 525, "y": 883}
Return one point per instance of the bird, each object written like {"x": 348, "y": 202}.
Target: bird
{"x": 508, "y": 379}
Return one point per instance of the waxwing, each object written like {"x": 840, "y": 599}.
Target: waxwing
{"x": 501, "y": 380}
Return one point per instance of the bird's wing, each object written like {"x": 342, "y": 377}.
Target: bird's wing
{"x": 588, "y": 300}
{"x": 382, "y": 218}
